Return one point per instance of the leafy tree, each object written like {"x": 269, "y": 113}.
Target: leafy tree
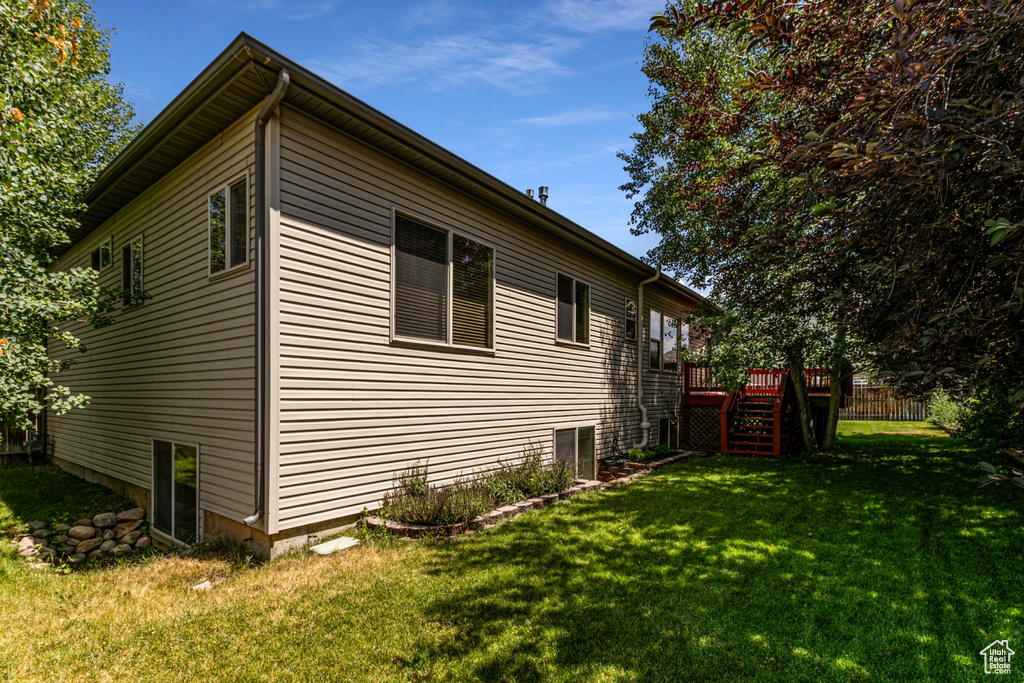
{"x": 717, "y": 211}
{"x": 60, "y": 123}
{"x": 873, "y": 146}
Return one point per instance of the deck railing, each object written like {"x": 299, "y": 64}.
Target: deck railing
{"x": 760, "y": 382}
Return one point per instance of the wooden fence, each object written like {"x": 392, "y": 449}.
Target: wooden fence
{"x": 877, "y": 403}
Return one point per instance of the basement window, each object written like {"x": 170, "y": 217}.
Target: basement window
{"x": 102, "y": 256}
{"x": 229, "y": 227}
{"x": 443, "y": 287}
{"x": 176, "y": 490}
{"x": 573, "y": 310}
{"x": 576, "y": 447}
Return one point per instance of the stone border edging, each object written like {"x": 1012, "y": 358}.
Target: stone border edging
{"x": 611, "y": 474}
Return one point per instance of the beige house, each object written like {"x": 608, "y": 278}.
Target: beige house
{"x": 318, "y": 297}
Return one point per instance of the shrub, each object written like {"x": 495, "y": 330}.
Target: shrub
{"x": 647, "y": 454}
{"x": 991, "y": 418}
{"x": 437, "y": 505}
{"x": 947, "y": 411}
{"x": 528, "y": 478}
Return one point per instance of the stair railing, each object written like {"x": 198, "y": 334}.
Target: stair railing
{"x": 782, "y": 398}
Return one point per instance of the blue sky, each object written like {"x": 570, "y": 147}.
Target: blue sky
{"x": 535, "y": 93}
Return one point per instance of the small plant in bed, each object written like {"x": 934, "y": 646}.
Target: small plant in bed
{"x": 528, "y": 478}
{"x": 428, "y": 505}
{"x": 649, "y": 454}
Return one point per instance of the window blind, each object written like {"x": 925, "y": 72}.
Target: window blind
{"x": 421, "y": 281}
{"x": 565, "y": 321}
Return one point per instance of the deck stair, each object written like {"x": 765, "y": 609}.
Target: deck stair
{"x": 753, "y": 430}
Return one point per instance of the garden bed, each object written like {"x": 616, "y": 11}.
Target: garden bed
{"x": 611, "y": 470}
{"x": 485, "y": 521}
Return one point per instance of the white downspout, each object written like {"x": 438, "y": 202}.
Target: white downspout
{"x": 645, "y": 425}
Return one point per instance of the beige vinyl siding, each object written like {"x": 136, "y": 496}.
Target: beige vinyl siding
{"x": 355, "y": 408}
{"x": 178, "y": 367}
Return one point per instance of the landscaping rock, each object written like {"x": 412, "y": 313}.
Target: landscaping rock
{"x": 493, "y": 516}
{"x": 107, "y": 546}
{"x": 36, "y": 526}
{"x": 374, "y": 522}
{"x": 89, "y": 544}
{"x": 131, "y": 515}
{"x": 477, "y": 522}
{"x": 77, "y": 558}
{"x": 92, "y": 554}
{"x": 61, "y": 528}
{"x": 83, "y": 522}
{"x": 27, "y": 546}
{"x": 130, "y": 537}
{"x": 536, "y": 502}
{"x": 549, "y": 499}
{"x": 563, "y": 495}
{"x": 121, "y": 549}
{"x": 143, "y": 542}
{"x": 48, "y": 554}
{"x": 42, "y": 533}
{"x": 509, "y": 510}
{"x": 126, "y": 527}
{"x": 108, "y": 535}
{"x": 81, "y": 531}
{"x": 57, "y": 540}
{"x": 104, "y": 520}
{"x": 574, "y": 490}
{"x": 524, "y": 505}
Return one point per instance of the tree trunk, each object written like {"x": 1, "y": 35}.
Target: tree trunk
{"x": 803, "y": 402}
{"x": 835, "y": 394}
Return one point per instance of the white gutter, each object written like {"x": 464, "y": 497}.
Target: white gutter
{"x": 645, "y": 425}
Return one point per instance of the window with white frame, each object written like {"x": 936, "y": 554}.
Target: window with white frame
{"x": 131, "y": 273}
{"x": 573, "y": 310}
{"x": 176, "y": 490}
{"x": 103, "y": 255}
{"x": 576, "y": 447}
{"x": 443, "y": 286}
{"x": 229, "y": 227}
{"x": 664, "y": 342}
{"x": 631, "y": 320}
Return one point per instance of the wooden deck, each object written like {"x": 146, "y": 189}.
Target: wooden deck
{"x": 757, "y": 419}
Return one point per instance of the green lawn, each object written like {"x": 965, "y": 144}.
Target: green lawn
{"x": 883, "y": 562}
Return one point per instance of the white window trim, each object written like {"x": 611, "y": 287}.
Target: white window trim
{"x": 446, "y": 345}
{"x": 247, "y": 263}
{"x": 575, "y": 426}
{"x": 625, "y": 318}
{"x": 590, "y": 313}
{"x": 163, "y": 535}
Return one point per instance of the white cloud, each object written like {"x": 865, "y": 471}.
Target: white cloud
{"x": 443, "y": 62}
{"x": 573, "y": 117}
{"x": 291, "y": 11}
{"x": 602, "y": 15}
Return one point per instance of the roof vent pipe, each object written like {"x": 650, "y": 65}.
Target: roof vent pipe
{"x": 529, "y": 193}
{"x": 542, "y": 192}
